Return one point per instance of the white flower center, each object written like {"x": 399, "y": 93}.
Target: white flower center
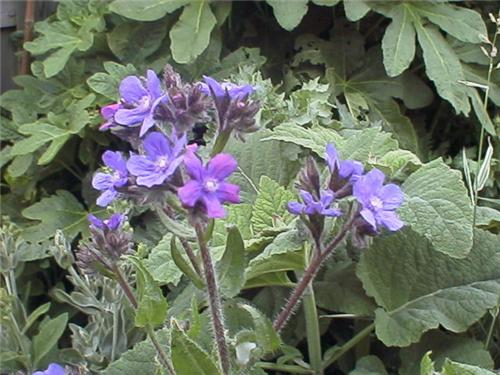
{"x": 162, "y": 162}
{"x": 211, "y": 184}
{"x": 376, "y": 202}
{"x": 146, "y": 101}
{"x": 116, "y": 176}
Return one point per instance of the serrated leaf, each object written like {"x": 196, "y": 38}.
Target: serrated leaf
{"x": 437, "y": 206}
{"x": 107, "y": 83}
{"x": 60, "y": 211}
{"x": 151, "y": 304}
{"x": 231, "y": 268}
{"x": 432, "y": 288}
{"x": 161, "y": 265}
{"x": 188, "y": 358}
{"x": 269, "y": 209}
{"x": 47, "y": 337}
{"x": 443, "y": 345}
{"x": 145, "y": 10}
{"x": 367, "y": 145}
{"x": 288, "y": 13}
{"x": 191, "y": 33}
{"x": 398, "y": 43}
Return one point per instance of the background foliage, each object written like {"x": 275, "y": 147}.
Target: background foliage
{"x": 399, "y": 85}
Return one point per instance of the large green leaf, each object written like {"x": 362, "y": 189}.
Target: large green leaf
{"x": 59, "y": 211}
{"x": 191, "y": 34}
{"x": 107, "y": 83}
{"x": 419, "y": 289}
{"x": 369, "y": 365}
{"x": 188, "y": 358}
{"x": 289, "y": 13}
{"x": 145, "y": 10}
{"x": 437, "y": 206}
{"x": 48, "y": 336}
{"x": 161, "y": 265}
{"x": 231, "y": 268}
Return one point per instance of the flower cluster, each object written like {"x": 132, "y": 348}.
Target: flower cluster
{"x": 378, "y": 202}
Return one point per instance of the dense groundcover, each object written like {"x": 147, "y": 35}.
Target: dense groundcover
{"x": 270, "y": 187}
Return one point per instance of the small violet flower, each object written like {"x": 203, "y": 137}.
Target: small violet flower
{"x": 108, "y": 182}
{"x": 53, "y": 369}
{"x": 113, "y": 223}
{"x": 312, "y": 207}
{"x": 139, "y": 102}
{"x": 220, "y": 90}
{"x": 161, "y": 160}
{"x": 207, "y": 185}
{"x": 379, "y": 201}
{"x": 108, "y": 113}
{"x": 346, "y": 169}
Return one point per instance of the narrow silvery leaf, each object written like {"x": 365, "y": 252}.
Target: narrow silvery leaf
{"x": 484, "y": 171}
{"x": 467, "y": 174}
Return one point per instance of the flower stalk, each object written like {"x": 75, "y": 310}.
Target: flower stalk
{"x": 214, "y": 300}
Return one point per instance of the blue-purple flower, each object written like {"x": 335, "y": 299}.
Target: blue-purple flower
{"x": 379, "y": 202}
{"x": 161, "y": 159}
{"x": 113, "y": 223}
{"x": 315, "y": 207}
{"x": 108, "y": 182}
{"x": 53, "y": 369}
{"x": 208, "y": 186}
{"x": 108, "y": 113}
{"x": 139, "y": 102}
{"x": 346, "y": 169}
{"x": 220, "y": 90}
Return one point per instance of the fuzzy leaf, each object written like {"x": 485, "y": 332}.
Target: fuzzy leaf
{"x": 455, "y": 368}
{"x": 191, "y": 34}
{"x": 369, "y": 365}
{"x": 47, "y": 337}
{"x": 145, "y": 10}
{"x": 289, "y": 13}
{"x": 433, "y": 289}
{"x": 161, "y": 265}
{"x": 438, "y": 207}
{"x": 231, "y": 268}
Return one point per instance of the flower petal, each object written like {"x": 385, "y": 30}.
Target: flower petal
{"x": 331, "y": 157}
{"x": 145, "y": 170}
{"x": 333, "y": 212}
{"x": 228, "y": 192}
{"x": 390, "y": 220}
{"x": 190, "y": 193}
{"x": 153, "y": 83}
{"x": 368, "y": 185}
{"x": 132, "y": 90}
{"x": 221, "y": 166}
{"x": 114, "y": 221}
{"x": 350, "y": 168}
{"x": 147, "y": 124}
{"x": 130, "y": 117}
{"x": 106, "y": 197}
{"x": 296, "y": 208}
{"x": 95, "y": 221}
{"x": 156, "y": 144}
{"x": 239, "y": 92}
{"x": 369, "y": 218}
{"x": 327, "y": 197}
{"x": 115, "y": 161}
{"x": 193, "y": 165}
{"x": 214, "y": 87}
{"x": 102, "y": 181}
{"x": 392, "y": 196}
{"x": 108, "y": 111}
{"x": 213, "y": 207}
{"x": 307, "y": 198}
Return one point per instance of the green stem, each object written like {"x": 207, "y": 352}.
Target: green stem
{"x": 492, "y": 328}
{"x": 220, "y": 142}
{"x": 159, "y": 349}
{"x": 312, "y": 330}
{"x": 292, "y": 369}
{"x": 115, "y": 331}
{"x": 349, "y": 345}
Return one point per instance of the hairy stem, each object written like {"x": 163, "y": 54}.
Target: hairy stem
{"x": 191, "y": 255}
{"x": 214, "y": 301}
{"x": 292, "y": 369}
{"x": 312, "y": 331}
{"x": 309, "y": 274}
{"x": 491, "y": 329}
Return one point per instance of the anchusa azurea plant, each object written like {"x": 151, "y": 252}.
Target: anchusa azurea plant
{"x": 186, "y": 180}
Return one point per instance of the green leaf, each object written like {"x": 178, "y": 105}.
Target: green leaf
{"x": 60, "y": 211}
{"x": 288, "y": 13}
{"x": 145, "y": 10}
{"x": 398, "y": 43}
{"x": 455, "y": 368}
{"x": 443, "y": 67}
{"x": 267, "y": 338}
{"x": 369, "y": 365}
{"x": 38, "y": 312}
{"x": 191, "y": 34}
{"x": 438, "y": 207}
{"x": 152, "y": 305}
{"x": 47, "y": 337}
{"x": 161, "y": 265}
{"x": 175, "y": 227}
{"x": 269, "y": 210}
{"x": 188, "y": 358}
{"x": 443, "y": 345}
{"x": 107, "y": 84}
{"x": 432, "y": 288}
{"x": 367, "y": 145}
{"x": 184, "y": 266}
{"x": 355, "y": 9}
{"x": 20, "y": 165}
{"x": 140, "y": 359}
{"x": 231, "y": 268}
{"x": 124, "y": 39}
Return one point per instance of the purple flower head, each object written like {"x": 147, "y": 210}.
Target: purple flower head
{"x": 346, "y": 169}
{"x": 220, "y": 90}
{"x": 161, "y": 160}
{"x": 139, "y": 101}
{"x": 108, "y": 182}
{"x": 207, "y": 186}
{"x": 313, "y": 207}
{"x": 108, "y": 113}
{"x": 53, "y": 369}
{"x": 379, "y": 201}
{"x": 113, "y": 223}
